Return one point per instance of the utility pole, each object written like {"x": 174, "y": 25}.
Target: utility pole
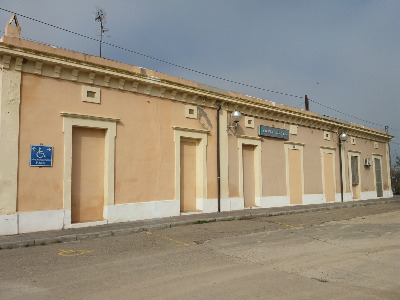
{"x": 390, "y": 155}
{"x": 306, "y": 103}
{"x": 100, "y": 16}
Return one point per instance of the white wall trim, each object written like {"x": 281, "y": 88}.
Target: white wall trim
{"x": 141, "y": 211}
{"x": 237, "y": 203}
{"x": 369, "y": 195}
{"x": 210, "y": 205}
{"x": 314, "y": 199}
{"x": 67, "y": 218}
{"x": 275, "y": 201}
{"x": 8, "y": 224}
{"x": 201, "y": 161}
{"x": 387, "y": 193}
{"x": 230, "y": 204}
{"x": 88, "y": 224}
{"x": 346, "y": 197}
{"x": 199, "y": 204}
{"x": 338, "y": 197}
{"x": 109, "y": 124}
{"x": 25, "y": 222}
{"x": 225, "y": 204}
{"x": 40, "y": 221}
{"x": 206, "y": 205}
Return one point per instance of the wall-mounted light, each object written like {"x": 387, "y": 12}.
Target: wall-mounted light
{"x": 343, "y": 137}
{"x": 235, "y": 118}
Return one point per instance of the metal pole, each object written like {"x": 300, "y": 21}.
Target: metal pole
{"x": 340, "y": 166}
{"x": 389, "y": 158}
{"x": 101, "y": 34}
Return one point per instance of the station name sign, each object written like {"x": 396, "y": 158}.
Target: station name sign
{"x": 273, "y": 132}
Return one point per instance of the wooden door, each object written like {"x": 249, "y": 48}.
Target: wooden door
{"x": 329, "y": 177}
{"x": 188, "y": 175}
{"x": 87, "y": 194}
{"x": 295, "y": 177}
{"x": 248, "y": 176}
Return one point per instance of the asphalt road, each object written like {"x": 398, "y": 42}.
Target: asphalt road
{"x": 349, "y": 253}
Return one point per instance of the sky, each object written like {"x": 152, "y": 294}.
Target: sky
{"x": 343, "y": 54}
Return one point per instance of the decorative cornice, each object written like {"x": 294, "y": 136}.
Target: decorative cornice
{"x": 249, "y": 137}
{"x": 328, "y": 148}
{"x": 294, "y": 143}
{"x": 89, "y": 117}
{"x": 354, "y": 151}
{"x": 56, "y": 66}
{"x": 376, "y": 154}
{"x": 191, "y": 129}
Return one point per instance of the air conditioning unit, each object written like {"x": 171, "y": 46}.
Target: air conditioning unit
{"x": 367, "y": 162}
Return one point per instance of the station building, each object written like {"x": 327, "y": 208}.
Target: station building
{"x": 88, "y": 141}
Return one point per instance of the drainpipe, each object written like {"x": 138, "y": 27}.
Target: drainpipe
{"x": 390, "y": 161}
{"x": 342, "y": 139}
{"x": 218, "y": 161}
{"x": 340, "y": 166}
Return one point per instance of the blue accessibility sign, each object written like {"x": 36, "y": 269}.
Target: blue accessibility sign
{"x": 41, "y": 156}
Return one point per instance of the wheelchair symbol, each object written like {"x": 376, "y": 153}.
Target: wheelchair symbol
{"x": 40, "y": 153}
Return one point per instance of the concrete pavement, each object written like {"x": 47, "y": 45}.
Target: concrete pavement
{"x": 75, "y": 234}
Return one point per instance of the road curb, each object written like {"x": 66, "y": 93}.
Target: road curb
{"x": 28, "y": 242}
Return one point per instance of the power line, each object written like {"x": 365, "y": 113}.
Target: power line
{"x": 193, "y": 70}
{"x": 394, "y": 143}
{"x": 351, "y": 116}
{"x": 152, "y": 57}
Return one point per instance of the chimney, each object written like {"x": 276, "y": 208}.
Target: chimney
{"x": 13, "y": 30}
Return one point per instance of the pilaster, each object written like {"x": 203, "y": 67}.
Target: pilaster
{"x": 10, "y": 83}
{"x": 223, "y": 134}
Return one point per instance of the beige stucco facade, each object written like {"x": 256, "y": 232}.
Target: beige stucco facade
{"x": 127, "y": 139}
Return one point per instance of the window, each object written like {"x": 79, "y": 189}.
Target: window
{"x": 90, "y": 94}
{"x": 327, "y": 135}
{"x": 354, "y": 170}
{"x": 249, "y": 122}
{"x": 293, "y": 129}
{"x": 191, "y": 112}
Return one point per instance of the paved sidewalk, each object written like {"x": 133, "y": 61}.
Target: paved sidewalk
{"x": 75, "y": 234}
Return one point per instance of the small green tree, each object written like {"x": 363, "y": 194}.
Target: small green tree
{"x": 395, "y": 170}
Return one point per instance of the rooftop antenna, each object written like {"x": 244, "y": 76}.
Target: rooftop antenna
{"x": 100, "y": 16}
